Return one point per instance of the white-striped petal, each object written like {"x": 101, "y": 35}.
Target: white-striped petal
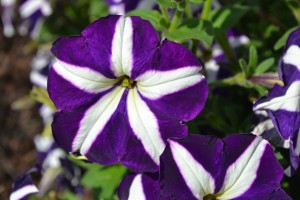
{"x": 31, "y": 6}
{"x": 199, "y": 181}
{"x": 127, "y": 47}
{"x": 136, "y": 190}
{"x": 144, "y": 125}
{"x": 292, "y": 56}
{"x": 23, "y": 192}
{"x": 242, "y": 173}
{"x": 289, "y": 101}
{"x": 95, "y": 119}
{"x": 288, "y": 170}
{"x": 122, "y": 43}
{"x": 83, "y": 77}
{"x": 156, "y": 84}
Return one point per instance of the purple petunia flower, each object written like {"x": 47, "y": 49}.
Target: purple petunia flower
{"x": 283, "y": 103}
{"x": 216, "y": 66}
{"x": 39, "y": 75}
{"x": 206, "y": 167}
{"x": 32, "y": 13}
{"x": 24, "y": 186}
{"x": 121, "y": 92}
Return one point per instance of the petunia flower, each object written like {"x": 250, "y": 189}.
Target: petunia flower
{"x": 121, "y": 92}
{"x": 39, "y": 75}
{"x": 7, "y": 15}
{"x": 207, "y": 168}
{"x": 33, "y": 13}
{"x": 24, "y": 186}
{"x": 283, "y": 102}
{"x": 216, "y": 66}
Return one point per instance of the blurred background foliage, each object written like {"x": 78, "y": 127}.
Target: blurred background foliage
{"x": 229, "y": 106}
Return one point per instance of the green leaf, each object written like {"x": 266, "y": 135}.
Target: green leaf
{"x": 151, "y": 15}
{"x": 197, "y": 1}
{"x": 252, "y": 59}
{"x": 226, "y": 17}
{"x": 68, "y": 195}
{"x": 260, "y": 89}
{"x": 98, "y": 9}
{"x": 41, "y": 95}
{"x": 281, "y": 42}
{"x": 107, "y": 179}
{"x": 243, "y": 65}
{"x": 201, "y": 30}
{"x": 84, "y": 164}
{"x": 264, "y": 66}
{"x": 166, "y": 3}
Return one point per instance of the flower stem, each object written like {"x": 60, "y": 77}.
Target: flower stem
{"x": 224, "y": 43}
{"x": 238, "y": 79}
{"x": 188, "y": 11}
{"x": 206, "y": 10}
{"x": 176, "y": 19}
{"x": 165, "y": 13}
{"x": 295, "y": 8}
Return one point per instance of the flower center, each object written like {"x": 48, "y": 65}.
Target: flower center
{"x": 210, "y": 197}
{"x": 127, "y": 82}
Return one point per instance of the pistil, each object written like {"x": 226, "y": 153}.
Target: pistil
{"x": 127, "y": 82}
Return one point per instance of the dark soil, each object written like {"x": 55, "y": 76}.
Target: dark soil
{"x": 18, "y": 126}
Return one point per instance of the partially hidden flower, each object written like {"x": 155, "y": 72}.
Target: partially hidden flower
{"x": 7, "y": 15}
{"x": 32, "y": 14}
{"x": 24, "y": 186}
{"x": 216, "y": 66}
{"x": 265, "y": 129}
{"x": 120, "y": 7}
{"x": 39, "y": 76}
{"x": 199, "y": 167}
{"x": 283, "y": 102}
{"x": 121, "y": 92}
{"x": 57, "y": 172}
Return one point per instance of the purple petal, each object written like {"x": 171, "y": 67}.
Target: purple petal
{"x": 24, "y": 186}
{"x": 183, "y": 93}
{"x": 252, "y": 167}
{"x": 242, "y": 166}
{"x": 202, "y": 154}
{"x": 139, "y": 186}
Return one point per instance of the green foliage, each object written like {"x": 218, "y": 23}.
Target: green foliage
{"x": 40, "y": 95}
{"x": 107, "y": 179}
{"x": 167, "y": 3}
{"x": 151, "y": 15}
{"x": 282, "y": 40}
{"x": 253, "y": 59}
{"x": 197, "y": 1}
{"x": 193, "y": 29}
{"x": 226, "y": 17}
{"x": 97, "y": 9}
{"x": 264, "y": 66}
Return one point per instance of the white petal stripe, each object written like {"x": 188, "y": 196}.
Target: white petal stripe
{"x": 22, "y": 192}
{"x": 136, "y": 190}
{"x": 83, "y": 77}
{"x": 289, "y": 101}
{"x": 242, "y": 173}
{"x": 116, "y": 52}
{"x": 122, "y": 43}
{"x": 292, "y": 56}
{"x": 199, "y": 181}
{"x": 144, "y": 125}
{"x": 95, "y": 119}
{"x": 156, "y": 84}
{"x": 127, "y": 45}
